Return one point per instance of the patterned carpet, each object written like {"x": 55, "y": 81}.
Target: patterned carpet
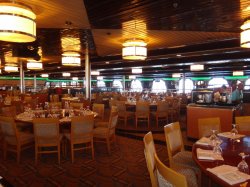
{"x": 126, "y": 166}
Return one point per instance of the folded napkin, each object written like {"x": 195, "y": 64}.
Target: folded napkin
{"x": 229, "y": 174}
{"x": 65, "y": 119}
{"x": 203, "y": 141}
{"x": 203, "y": 154}
{"x": 229, "y": 135}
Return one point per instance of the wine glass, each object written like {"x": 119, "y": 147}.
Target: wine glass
{"x": 234, "y": 131}
{"x": 242, "y": 166}
{"x": 213, "y": 138}
{"x": 217, "y": 149}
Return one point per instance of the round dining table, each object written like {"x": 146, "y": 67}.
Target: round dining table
{"x": 231, "y": 148}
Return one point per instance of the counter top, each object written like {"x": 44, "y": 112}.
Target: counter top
{"x": 220, "y": 105}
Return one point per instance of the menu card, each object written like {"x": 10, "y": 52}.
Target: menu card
{"x": 203, "y": 141}
{"x": 229, "y": 174}
{"x": 203, "y": 154}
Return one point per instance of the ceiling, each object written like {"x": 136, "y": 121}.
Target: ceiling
{"x": 178, "y": 33}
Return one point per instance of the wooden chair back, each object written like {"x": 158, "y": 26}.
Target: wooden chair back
{"x": 205, "y": 125}
{"x": 243, "y": 124}
{"x": 174, "y": 140}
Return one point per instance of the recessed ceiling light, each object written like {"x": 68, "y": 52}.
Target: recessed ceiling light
{"x": 107, "y": 62}
{"x": 58, "y": 67}
{"x": 178, "y": 55}
{"x": 244, "y": 66}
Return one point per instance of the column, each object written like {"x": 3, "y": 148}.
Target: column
{"x": 35, "y": 83}
{"x": 87, "y": 74}
{"x": 183, "y": 83}
{"x": 22, "y": 86}
{"x": 123, "y": 83}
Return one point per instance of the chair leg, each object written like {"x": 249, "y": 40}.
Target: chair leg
{"x": 36, "y": 154}
{"x": 148, "y": 122}
{"x": 136, "y": 121}
{"x": 157, "y": 121}
{"x": 108, "y": 145}
{"x": 58, "y": 153}
{"x": 18, "y": 153}
{"x": 72, "y": 151}
{"x": 92, "y": 149}
{"x": 125, "y": 121}
{"x": 4, "y": 150}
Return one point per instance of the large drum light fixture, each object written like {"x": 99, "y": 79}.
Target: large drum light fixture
{"x": 17, "y": 23}
{"x": 134, "y": 49}
{"x": 10, "y": 68}
{"x": 34, "y": 65}
{"x": 245, "y": 34}
{"x": 197, "y": 67}
{"x": 71, "y": 59}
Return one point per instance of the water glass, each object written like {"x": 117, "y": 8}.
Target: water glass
{"x": 243, "y": 166}
{"x": 234, "y": 130}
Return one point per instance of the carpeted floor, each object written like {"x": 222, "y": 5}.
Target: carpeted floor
{"x": 126, "y": 166}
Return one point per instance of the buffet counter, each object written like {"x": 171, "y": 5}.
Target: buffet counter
{"x": 225, "y": 112}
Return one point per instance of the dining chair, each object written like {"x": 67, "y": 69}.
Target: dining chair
{"x": 178, "y": 156}
{"x": 142, "y": 112}
{"x": 243, "y": 124}
{"x": 54, "y": 105}
{"x": 47, "y": 135}
{"x": 9, "y": 111}
{"x": 149, "y": 151}
{"x": 161, "y": 113}
{"x": 76, "y": 105}
{"x": 99, "y": 109}
{"x": 13, "y": 139}
{"x": 182, "y": 177}
{"x": 106, "y": 134}
{"x": 123, "y": 114}
{"x": 81, "y": 134}
{"x": 205, "y": 125}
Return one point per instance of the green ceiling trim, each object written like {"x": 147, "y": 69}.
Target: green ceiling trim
{"x": 236, "y": 77}
{"x": 200, "y": 78}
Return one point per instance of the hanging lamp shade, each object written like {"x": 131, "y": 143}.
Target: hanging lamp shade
{"x": 10, "y": 68}
{"x": 71, "y": 59}
{"x": 17, "y": 23}
{"x": 245, "y": 34}
{"x": 34, "y": 65}
{"x": 134, "y": 49}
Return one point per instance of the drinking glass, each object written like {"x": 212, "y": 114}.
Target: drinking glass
{"x": 213, "y": 137}
{"x": 234, "y": 131}
{"x": 217, "y": 149}
{"x": 242, "y": 166}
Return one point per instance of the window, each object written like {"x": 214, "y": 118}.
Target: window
{"x": 247, "y": 84}
{"x": 189, "y": 85}
{"x": 159, "y": 86}
{"x": 101, "y": 84}
{"x": 217, "y": 83}
{"x": 117, "y": 84}
{"x": 136, "y": 86}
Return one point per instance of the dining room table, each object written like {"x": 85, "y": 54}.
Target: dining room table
{"x": 221, "y": 172}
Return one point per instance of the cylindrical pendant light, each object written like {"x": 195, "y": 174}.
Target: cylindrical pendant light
{"x": 17, "y": 23}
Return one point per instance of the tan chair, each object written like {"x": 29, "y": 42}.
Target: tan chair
{"x": 149, "y": 151}
{"x": 177, "y": 155}
{"x": 161, "y": 113}
{"x": 55, "y": 105}
{"x": 243, "y": 124}
{"x": 81, "y": 135}
{"x": 123, "y": 114}
{"x": 46, "y": 132}
{"x": 107, "y": 134}
{"x": 54, "y": 98}
{"x": 14, "y": 140}
{"x": 9, "y": 111}
{"x": 99, "y": 109}
{"x": 169, "y": 177}
{"x": 205, "y": 125}
{"x": 142, "y": 112}
{"x": 76, "y": 105}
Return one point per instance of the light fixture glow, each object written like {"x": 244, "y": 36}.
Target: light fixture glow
{"x": 10, "y": 68}
{"x": 238, "y": 73}
{"x": 197, "y": 67}
{"x": 44, "y": 75}
{"x": 245, "y": 34}
{"x": 99, "y": 78}
{"x": 134, "y": 49}
{"x": 71, "y": 59}
{"x": 34, "y": 65}
{"x": 66, "y": 74}
{"x": 95, "y": 73}
{"x": 17, "y": 23}
{"x": 136, "y": 70}
{"x": 132, "y": 77}
{"x": 176, "y": 75}
{"x": 75, "y": 78}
